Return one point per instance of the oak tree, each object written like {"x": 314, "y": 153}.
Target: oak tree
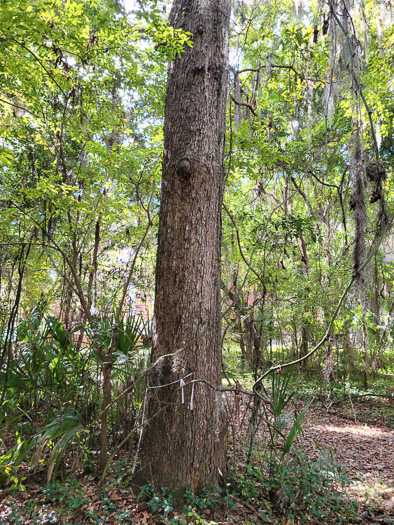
{"x": 184, "y": 444}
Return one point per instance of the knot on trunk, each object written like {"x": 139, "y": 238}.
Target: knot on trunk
{"x": 184, "y": 168}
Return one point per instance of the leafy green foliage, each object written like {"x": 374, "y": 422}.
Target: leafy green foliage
{"x": 302, "y": 488}
{"x": 58, "y": 435}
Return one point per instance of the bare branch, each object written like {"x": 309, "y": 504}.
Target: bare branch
{"x": 246, "y": 104}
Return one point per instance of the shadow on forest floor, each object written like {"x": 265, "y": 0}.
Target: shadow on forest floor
{"x": 365, "y": 450}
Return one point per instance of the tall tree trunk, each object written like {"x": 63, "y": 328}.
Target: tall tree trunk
{"x": 184, "y": 443}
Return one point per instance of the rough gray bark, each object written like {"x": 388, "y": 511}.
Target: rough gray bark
{"x": 184, "y": 442}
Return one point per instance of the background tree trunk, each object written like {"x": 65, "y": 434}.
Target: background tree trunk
{"x": 184, "y": 443}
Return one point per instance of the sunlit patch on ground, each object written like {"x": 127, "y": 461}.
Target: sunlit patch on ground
{"x": 362, "y": 448}
{"x": 360, "y": 431}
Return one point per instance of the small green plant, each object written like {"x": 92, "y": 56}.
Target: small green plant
{"x": 203, "y": 501}
{"x": 191, "y": 513}
{"x": 69, "y": 493}
{"x": 282, "y": 473}
{"x": 123, "y": 516}
{"x": 195, "y": 504}
{"x": 163, "y": 502}
{"x": 108, "y": 505}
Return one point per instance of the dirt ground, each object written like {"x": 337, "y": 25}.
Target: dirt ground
{"x": 364, "y": 443}
{"x": 360, "y": 435}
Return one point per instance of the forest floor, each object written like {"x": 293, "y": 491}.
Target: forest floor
{"x": 363, "y": 443}
{"x": 360, "y": 436}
